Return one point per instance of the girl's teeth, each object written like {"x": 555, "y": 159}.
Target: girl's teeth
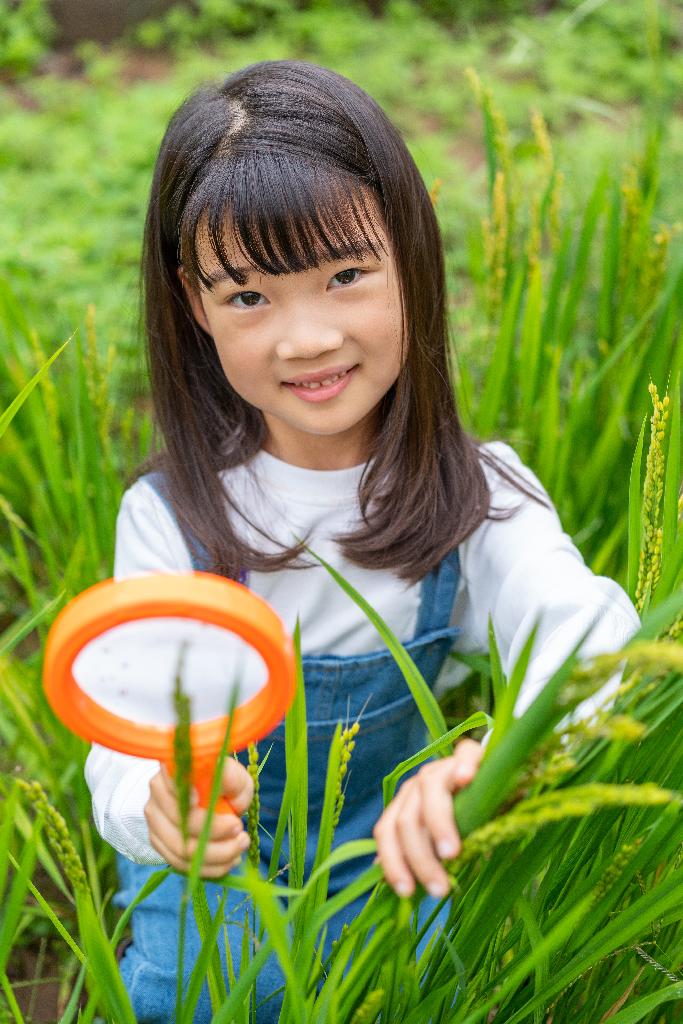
{"x": 322, "y": 383}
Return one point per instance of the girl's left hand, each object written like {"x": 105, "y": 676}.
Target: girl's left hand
{"x": 417, "y": 830}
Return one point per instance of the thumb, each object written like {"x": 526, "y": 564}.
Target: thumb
{"x": 464, "y": 763}
{"x": 237, "y": 785}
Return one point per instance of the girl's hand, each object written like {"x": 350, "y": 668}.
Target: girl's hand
{"x": 227, "y": 838}
{"x": 418, "y": 829}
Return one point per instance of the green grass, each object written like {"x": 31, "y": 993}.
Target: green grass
{"x": 576, "y": 879}
{"x": 568, "y": 891}
{"x": 568, "y": 872}
{"x": 77, "y": 152}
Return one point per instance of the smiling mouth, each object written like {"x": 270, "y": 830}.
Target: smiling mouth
{"x": 324, "y": 383}
{"x": 312, "y": 385}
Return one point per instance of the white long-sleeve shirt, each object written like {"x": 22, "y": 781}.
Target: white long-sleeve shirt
{"x": 514, "y": 569}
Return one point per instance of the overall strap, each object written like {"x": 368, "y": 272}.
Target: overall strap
{"x": 437, "y": 598}
{"x": 200, "y": 561}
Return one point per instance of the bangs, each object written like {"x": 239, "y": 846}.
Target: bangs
{"x": 286, "y": 214}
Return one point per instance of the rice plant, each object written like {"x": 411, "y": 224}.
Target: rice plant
{"x": 567, "y": 899}
{"x": 581, "y": 306}
{"x": 561, "y": 905}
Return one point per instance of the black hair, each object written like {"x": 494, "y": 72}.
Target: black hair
{"x": 293, "y": 158}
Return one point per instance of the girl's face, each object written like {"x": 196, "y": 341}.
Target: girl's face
{"x": 315, "y": 351}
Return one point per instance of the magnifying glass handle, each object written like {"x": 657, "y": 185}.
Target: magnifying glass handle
{"x": 202, "y": 781}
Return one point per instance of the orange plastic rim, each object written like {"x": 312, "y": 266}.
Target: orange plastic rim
{"x": 204, "y": 596}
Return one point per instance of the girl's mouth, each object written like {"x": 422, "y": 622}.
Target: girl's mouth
{"x": 320, "y": 391}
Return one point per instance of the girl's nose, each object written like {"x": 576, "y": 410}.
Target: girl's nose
{"x": 307, "y": 338}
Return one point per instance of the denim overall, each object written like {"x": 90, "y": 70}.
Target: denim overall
{"x": 367, "y": 686}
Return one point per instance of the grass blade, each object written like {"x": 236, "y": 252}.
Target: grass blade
{"x": 102, "y": 966}
{"x": 50, "y": 914}
{"x": 439, "y": 746}
{"x": 208, "y": 963}
{"x": 672, "y": 480}
{"x": 635, "y": 500}
{"x": 276, "y": 925}
{"x": 638, "y": 1010}
{"x": 9, "y": 413}
{"x": 497, "y": 380}
{"x": 500, "y": 768}
{"x": 296, "y": 754}
{"x": 505, "y": 702}
{"x": 13, "y": 903}
{"x": 424, "y": 698}
{"x": 530, "y": 346}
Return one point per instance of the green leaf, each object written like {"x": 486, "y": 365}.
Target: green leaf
{"x": 592, "y": 214}
{"x": 672, "y": 480}
{"x": 530, "y": 346}
{"x": 642, "y": 1007}
{"x": 498, "y": 382}
{"x": 635, "y": 498}
{"x": 50, "y": 914}
{"x": 618, "y": 932}
{"x": 9, "y": 414}
{"x": 439, "y": 746}
{"x": 208, "y": 964}
{"x": 535, "y": 937}
{"x": 72, "y": 1008}
{"x": 11, "y": 999}
{"x": 275, "y": 922}
{"x": 498, "y": 680}
{"x": 296, "y": 755}
{"x": 500, "y": 768}
{"x": 326, "y": 828}
{"x": 102, "y": 966}
{"x": 550, "y": 432}
{"x": 6, "y": 830}
{"x": 505, "y": 702}
{"x": 424, "y": 698}
{"x": 208, "y": 928}
{"x": 13, "y": 902}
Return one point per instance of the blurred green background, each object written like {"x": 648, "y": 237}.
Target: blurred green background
{"x": 81, "y": 120}
{"x": 551, "y": 136}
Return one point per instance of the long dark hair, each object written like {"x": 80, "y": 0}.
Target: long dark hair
{"x": 281, "y": 151}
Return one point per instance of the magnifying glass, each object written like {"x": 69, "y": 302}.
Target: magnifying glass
{"x": 112, "y": 659}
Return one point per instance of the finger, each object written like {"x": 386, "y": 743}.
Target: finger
{"x": 225, "y": 854}
{"x": 417, "y": 847}
{"x": 237, "y": 785}
{"x": 220, "y": 870}
{"x": 167, "y": 780}
{"x": 216, "y": 854}
{"x": 223, "y": 826}
{"x": 467, "y": 757}
{"x": 163, "y": 831}
{"x": 389, "y": 852}
{"x": 162, "y": 792}
{"x": 183, "y": 864}
{"x": 179, "y": 863}
{"x": 437, "y": 782}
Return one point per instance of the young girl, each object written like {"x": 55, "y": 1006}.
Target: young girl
{"x": 297, "y": 343}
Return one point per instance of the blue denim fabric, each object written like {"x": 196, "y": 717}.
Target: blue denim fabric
{"x": 368, "y": 686}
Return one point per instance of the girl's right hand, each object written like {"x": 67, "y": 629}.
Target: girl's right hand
{"x": 227, "y": 837}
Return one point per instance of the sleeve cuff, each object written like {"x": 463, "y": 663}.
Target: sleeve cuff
{"x": 120, "y": 789}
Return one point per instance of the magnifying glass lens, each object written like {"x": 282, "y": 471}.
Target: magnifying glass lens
{"x": 131, "y": 669}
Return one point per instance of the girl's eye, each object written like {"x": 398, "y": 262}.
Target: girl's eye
{"x": 250, "y": 299}
{"x": 344, "y": 275}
